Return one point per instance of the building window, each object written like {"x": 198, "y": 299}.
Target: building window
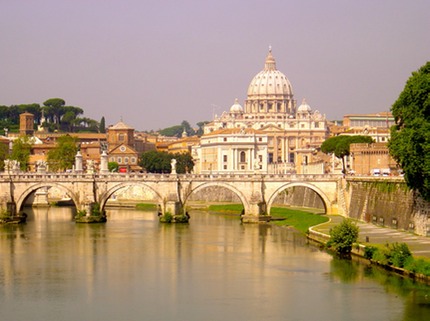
{"x": 121, "y": 137}
{"x": 225, "y": 166}
{"x": 119, "y": 160}
{"x": 133, "y": 160}
{"x": 224, "y": 158}
{"x": 225, "y": 139}
{"x": 126, "y": 160}
{"x": 242, "y": 157}
{"x": 260, "y": 139}
{"x": 291, "y": 157}
{"x": 317, "y": 125}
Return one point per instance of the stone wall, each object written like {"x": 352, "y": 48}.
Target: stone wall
{"x": 299, "y": 196}
{"x": 215, "y": 194}
{"x": 388, "y": 202}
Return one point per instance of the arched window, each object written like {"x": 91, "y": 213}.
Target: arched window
{"x": 121, "y": 137}
{"x": 242, "y": 157}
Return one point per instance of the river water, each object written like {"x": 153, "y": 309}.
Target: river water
{"x": 134, "y": 268}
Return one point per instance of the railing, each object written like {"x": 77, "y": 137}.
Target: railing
{"x": 27, "y": 176}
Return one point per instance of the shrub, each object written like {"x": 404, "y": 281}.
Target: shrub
{"x": 398, "y": 254}
{"x": 166, "y": 218}
{"x": 369, "y": 251}
{"x": 342, "y": 237}
{"x": 418, "y": 266}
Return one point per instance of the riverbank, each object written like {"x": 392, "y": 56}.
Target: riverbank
{"x": 375, "y": 236}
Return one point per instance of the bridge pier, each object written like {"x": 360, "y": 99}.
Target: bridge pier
{"x": 90, "y": 213}
{"x": 172, "y": 212}
{"x": 256, "y": 213}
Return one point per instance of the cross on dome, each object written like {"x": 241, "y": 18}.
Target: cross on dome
{"x": 270, "y": 61}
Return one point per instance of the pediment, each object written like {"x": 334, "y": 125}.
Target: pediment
{"x": 122, "y": 149}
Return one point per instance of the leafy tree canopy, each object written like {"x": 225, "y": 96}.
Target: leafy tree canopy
{"x": 410, "y": 136}
{"x": 113, "y": 166}
{"x": 340, "y": 145}
{"x": 21, "y": 149}
{"x": 62, "y": 157}
{"x": 343, "y": 236}
{"x": 177, "y": 130}
{"x": 159, "y": 162}
{"x": 102, "y": 127}
{"x": 4, "y": 153}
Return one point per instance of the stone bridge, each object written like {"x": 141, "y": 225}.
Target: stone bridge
{"x": 172, "y": 191}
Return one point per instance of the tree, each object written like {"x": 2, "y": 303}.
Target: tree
{"x": 54, "y": 109}
{"x": 4, "y": 153}
{"x": 113, "y": 167}
{"x": 410, "y": 139}
{"x": 21, "y": 149}
{"x": 201, "y": 125}
{"x": 174, "y": 131}
{"x": 156, "y": 162}
{"x": 343, "y": 236}
{"x": 186, "y": 126}
{"x": 102, "y": 128}
{"x": 160, "y": 162}
{"x": 339, "y": 145}
{"x": 62, "y": 157}
{"x": 184, "y": 163}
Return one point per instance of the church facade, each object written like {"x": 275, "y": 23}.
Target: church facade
{"x": 273, "y": 133}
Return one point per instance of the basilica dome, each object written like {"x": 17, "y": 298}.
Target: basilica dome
{"x": 270, "y": 81}
{"x": 270, "y": 92}
{"x": 304, "y": 107}
{"x": 236, "y": 108}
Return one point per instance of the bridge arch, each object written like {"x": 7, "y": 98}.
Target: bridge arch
{"x": 107, "y": 194}
{"x": 325, "y": 200}
{"x": 219, "y": 184}
{"x": 33, "y": 188}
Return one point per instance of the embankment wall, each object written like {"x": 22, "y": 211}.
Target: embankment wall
{"x": 388, "y": 202}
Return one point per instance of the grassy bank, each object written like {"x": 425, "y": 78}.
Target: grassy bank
{"x": 150, "y": 207}
{"x": 299, "y": 219}
{"x": 226, "y": 208}
{"x": 282, "y": 216}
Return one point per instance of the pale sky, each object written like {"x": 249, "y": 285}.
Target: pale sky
{"x": 156, "y": 63}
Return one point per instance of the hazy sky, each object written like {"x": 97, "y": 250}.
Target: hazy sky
{"x": 156, "y": 63}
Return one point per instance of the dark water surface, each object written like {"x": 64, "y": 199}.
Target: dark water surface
{"x": 134, "y": 268}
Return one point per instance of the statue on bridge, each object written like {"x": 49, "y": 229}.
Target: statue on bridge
{"x": 11, "y": 165}
{"x": 90, "y": 166}
{"x": 41, "y": 166}
{"x": 173, "y": 165}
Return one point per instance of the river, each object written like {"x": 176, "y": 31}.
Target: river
{"x": 214, "y": 268}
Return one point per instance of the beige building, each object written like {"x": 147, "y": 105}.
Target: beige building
{"x": 372, "y": 159}
{"x": 293, "y": 134}
{"x": 231, "y": 150}
{"x": 376, "y": 125}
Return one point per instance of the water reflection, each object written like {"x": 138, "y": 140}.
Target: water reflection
{"x": 133, "y": 268}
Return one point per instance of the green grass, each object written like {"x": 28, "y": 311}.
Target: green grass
{"x": 226, "y": 208}
{"x": 146, "y": 207}
{"x": 300, "y": 220}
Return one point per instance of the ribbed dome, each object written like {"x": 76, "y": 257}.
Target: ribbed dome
{"x": 236, "y": 108}
{"x": 304, "y": 107}
{"x": 269, "y": 82}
